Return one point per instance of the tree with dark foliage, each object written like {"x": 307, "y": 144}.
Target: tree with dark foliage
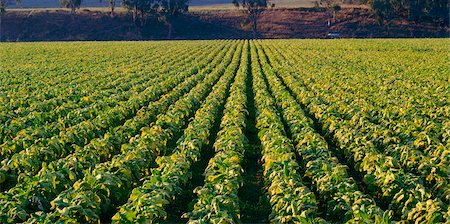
{"x": 415, "y": 10}
{"x": 140, "y": 9}
{"x": 253, "y": 9}
{"x": 331, "y": 8}
{"x": 2, "y": 6}
{"x": 5, "y": 3}
{"x": 382, "y": 10}
{"x": 112, "y": 5}
{"x": 169, "y": 10}
{"x": 73, "y": 5}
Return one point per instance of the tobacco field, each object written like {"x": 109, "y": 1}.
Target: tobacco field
{"x": 225, "y": 131}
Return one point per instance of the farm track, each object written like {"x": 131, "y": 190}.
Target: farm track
{"x": 225, "y": 131}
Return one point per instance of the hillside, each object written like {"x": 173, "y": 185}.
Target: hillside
{"x": 88, "y": 24}
{"x": 54, "y": 4}
{"x": 96, "y": 3}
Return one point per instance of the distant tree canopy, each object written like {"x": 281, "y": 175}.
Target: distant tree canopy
{"x": 2, "y": 6}
{"x": 416, "y": 10}
{"x": 253, "y": 9}
{"x": 331, "y": 7}
{"x": 5, "y": 3}
{"x": 112, "y": 5}
{"x": 165, "y": 10}
{"x": 73, "y": 5}
{"x": 140, "y": 8}
{"x": 168, "y": 10}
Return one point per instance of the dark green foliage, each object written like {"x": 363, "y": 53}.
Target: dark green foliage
{"x": 5, "y": 3}
{"x": 331, "y": 7}
{"x": 168, "y": 10}
{"x": 415, "y": 10}
{"x": 165, "y": 10}
{"x": 73, "y": 5}
{"x": 2, "y": 6}
{"x": 253, "y": 8}
{"x": 112, "y": 4}
{"x": 139, "y": 8}
{"x": 382, "y": 9}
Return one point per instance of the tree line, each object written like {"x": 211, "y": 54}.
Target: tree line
{"x": 414, "y": 10}
{"x": 167, "y": 10}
